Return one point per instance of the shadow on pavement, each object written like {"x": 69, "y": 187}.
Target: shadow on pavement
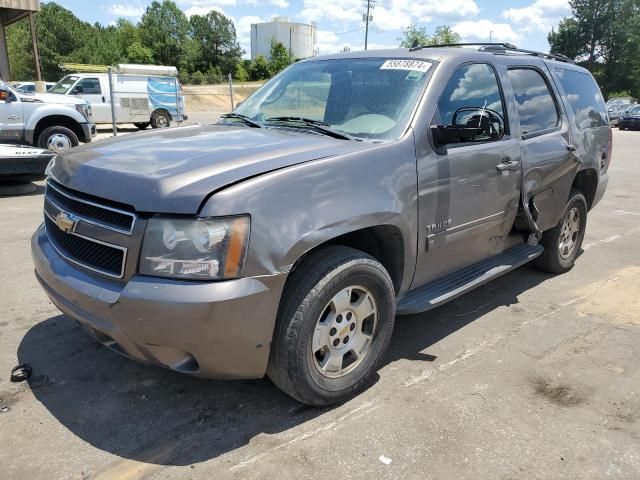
{"x": 161, "y": 417}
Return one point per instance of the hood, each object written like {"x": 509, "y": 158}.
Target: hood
{"x": 50, "y": 98}
{"x": 174, "y": 170}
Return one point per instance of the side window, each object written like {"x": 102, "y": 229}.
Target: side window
{"x": 536, "y": 107}
{"x": 90, "y": 86}
{"x": 472, "y": 86}
{"x": 584, "y": 96}
{"x": 471, "y": 108}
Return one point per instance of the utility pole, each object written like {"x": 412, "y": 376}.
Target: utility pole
{"x": 369, "y": 6}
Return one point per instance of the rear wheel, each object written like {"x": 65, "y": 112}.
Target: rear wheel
{"x": 142, "y": 126}
{"x": 57, "y": 139}
{"x": 562, "y": 243}
{"x": 334, "y": 325}
{"x": 160, "y": 119}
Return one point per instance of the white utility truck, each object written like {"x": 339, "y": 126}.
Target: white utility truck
{"x": 142, "y": 94}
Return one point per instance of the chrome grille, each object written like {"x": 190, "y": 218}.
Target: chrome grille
{"x": 88, "y": 211}
{"x": 85, "y": 252}
{"x": 86, "y": 232}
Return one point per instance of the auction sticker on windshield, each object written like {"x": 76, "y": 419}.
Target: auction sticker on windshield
{"x": 414, "y": 65}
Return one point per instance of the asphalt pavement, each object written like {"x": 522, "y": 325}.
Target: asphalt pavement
{"x": 532, "y": 376}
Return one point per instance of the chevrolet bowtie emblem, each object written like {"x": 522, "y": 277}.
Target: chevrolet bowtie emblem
{"x": 66, "y": 222}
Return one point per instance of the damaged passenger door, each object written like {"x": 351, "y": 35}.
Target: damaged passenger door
{"x": 549, "y": 160}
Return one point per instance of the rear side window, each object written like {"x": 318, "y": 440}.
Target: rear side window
{"x": 536, "y": 107}
{"x": 584, "y": 96}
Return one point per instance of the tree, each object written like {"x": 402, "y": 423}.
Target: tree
{"x": 215, "y": 36}
{"x": 603, "y": 36}
{"x": 163, "y": 30}
{"x": 136, "y": 53}
{"x": 241, "y": 73}
{"x": 279, "y": 57}
{"x": 259, "y": 69}
{"x": 414, "y": 35}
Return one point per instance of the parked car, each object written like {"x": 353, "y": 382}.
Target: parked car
{"x": 21, "y": 164}
{"x": 630, "y": 119}
{"x": 30, "y": 87}
{"x": 617, "y": 110}
{"x": 144, "y": 95}
{"x": 348, "y": 189}
{"x": 47, "y": 121}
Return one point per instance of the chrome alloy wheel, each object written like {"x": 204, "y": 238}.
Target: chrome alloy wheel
{"x": 344, "y": 332}
{"x": 59, "y": 143}
{"x": 569, "y": 233}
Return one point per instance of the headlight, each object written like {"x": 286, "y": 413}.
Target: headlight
{"x": 83, "y": 110}
{"x": 200, "y": 249}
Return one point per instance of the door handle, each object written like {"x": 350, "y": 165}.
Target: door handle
{"x": 508, "y": 165}
{"x": 103, "y": 99}
{"x": 13, "y": 117}
{"x": 572, "y": 150}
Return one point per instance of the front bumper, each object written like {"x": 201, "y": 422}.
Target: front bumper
{"x": 629, "y": 123}
{"x": 89, "y": 131}
{"x": 208, "y": 329}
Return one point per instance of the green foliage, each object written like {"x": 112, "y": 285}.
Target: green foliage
{"x": 414, "y": 35}
{"x": 164, "y": 29}
{"x": 259, "y": 69}
{"x": 279, "y": 57}
{"x": 215, "y": 35}
{"x": 623, "y": 93}
{"x": 197, "y": 78}
{"x": 603, "y": 36}
{"x": 136, "y": 53}
{"x": 241, "y": 73}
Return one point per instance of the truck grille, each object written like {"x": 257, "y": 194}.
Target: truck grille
{"x": 85, "y": 252}
{"x": 88, "y": 233}
{"x": 89, "y": 211}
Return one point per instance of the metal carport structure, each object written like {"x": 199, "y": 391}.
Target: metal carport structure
{"x": 11, "y": 11}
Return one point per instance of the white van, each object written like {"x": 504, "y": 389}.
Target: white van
{"x": 143, "y": 95}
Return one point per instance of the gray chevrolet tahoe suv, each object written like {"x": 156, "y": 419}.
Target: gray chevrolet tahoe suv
{"x": 348, "y": 189}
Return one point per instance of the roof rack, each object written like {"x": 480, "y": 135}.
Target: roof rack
{"x": 498, "y": 48}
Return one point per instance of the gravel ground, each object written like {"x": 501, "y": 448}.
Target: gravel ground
{"x": 531, "y": 376}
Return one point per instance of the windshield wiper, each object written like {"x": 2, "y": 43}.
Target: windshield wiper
{"x": 244, "y": 118}
{"x": 318, "y": 125}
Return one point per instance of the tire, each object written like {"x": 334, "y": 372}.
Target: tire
{"x": 160, "y": 119}
{"x": 57, "y": 139}
{"x": 142, "y": 125}
{"x": 552, "y": 260}
{"x": 309, "y": 308}
{"x": 620, "y": 127}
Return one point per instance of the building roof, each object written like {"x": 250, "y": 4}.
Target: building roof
{"x": 14, "y": 10}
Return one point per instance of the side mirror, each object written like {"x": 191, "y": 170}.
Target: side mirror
{"x": 78, "y": 89}
{"x": 4, "y": 96}
{"x": 470, "y": 124}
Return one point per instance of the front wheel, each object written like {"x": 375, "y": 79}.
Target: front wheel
{"x": 57, "y": 139}
{"x": 334, "y": 324}
{"x": 160, "y": 119}
{"x": 562, "y": 243}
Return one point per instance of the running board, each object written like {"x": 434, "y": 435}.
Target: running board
{"x": 460, "y": 282}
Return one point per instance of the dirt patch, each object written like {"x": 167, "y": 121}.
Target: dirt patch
{"x": 214, "y": 98}
{"x": 557, "y": 392}
{"x": 615, "y": 299}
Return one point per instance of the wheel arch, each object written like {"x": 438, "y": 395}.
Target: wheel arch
{"x": 384, "y": 242}
{"x": 586, "y": 181}
{"x": 55, "y": 121}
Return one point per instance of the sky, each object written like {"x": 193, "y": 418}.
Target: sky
{"x": 522, "y": 22}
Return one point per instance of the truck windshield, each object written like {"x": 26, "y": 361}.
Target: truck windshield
{"x": 64, "y": 85}
{"x": 362, "y": 97}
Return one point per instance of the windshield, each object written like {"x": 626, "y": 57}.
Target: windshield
{"x": 363, "y": 97}
{"x": 64, "y": 85}
{"x": 635, "y": 110}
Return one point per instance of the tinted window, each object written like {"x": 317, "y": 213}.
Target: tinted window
{"x": 584, "y": 97}
{"x": 472, "y": 86}
{"x": 536, "y": 107}
{"x": 90, "y": 86}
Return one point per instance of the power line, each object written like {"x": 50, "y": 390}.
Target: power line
{"x": 370, "y": 4}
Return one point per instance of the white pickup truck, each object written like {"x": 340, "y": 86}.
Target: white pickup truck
{"x": 54, "y": 122}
